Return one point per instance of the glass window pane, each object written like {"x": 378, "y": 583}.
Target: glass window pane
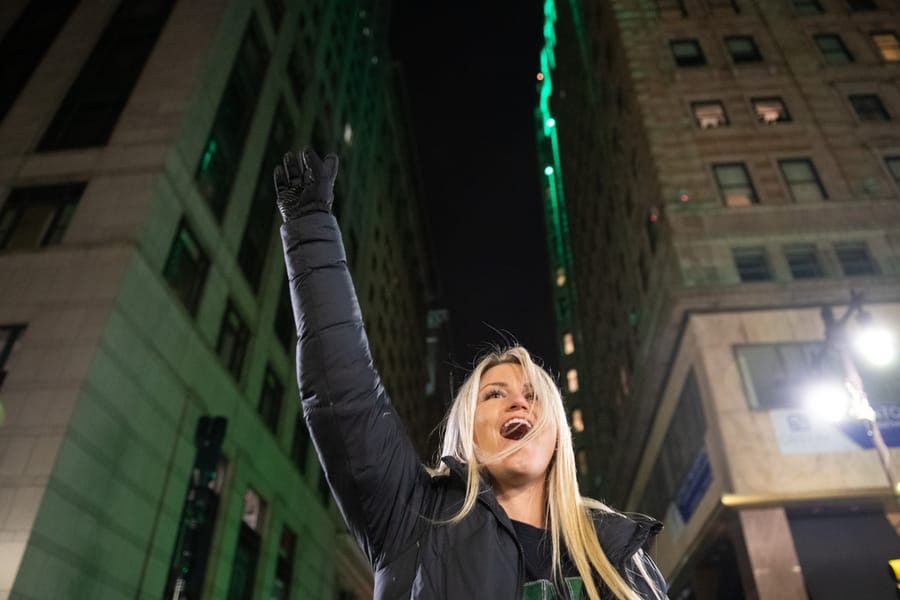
{"x": 807, "y": 7}
{"x": 775, "y": 375}
{"x": 833, "y": 49}
{"x": 888, "y": 45}
{"x": 687, "y": 53}
{"x": 224, "y": 147}
{"x": 37, "y": 216}
{"x": 892, "y": 162}
{"x": 91, "y": 107}
{"x": 770, "y": 110}
{"x": 803, "y": 261}
{"x": 802, "y": 180}
{"x": 752, "y": 264}
{"x": 855, "y": 259}
{"x": 709, "y": 114}
{"x": 186, "y": 267}
{"x": 731, "y": 175}
{"x": 742, "y": 49}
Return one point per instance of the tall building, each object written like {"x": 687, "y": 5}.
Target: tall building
{"x": 152, "y": 440}
{"x": 715, "y": 173}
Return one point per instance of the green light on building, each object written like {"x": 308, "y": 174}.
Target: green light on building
{"x": 548, "y": 171}
{"x": 551, "y": 122}
{"x": 211, "y": 148}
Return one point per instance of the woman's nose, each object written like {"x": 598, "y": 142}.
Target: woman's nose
{"x": 517, "y": 401}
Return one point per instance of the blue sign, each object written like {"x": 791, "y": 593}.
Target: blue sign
{"x": 693, "y": 485}
{"x": 888, "y": 418}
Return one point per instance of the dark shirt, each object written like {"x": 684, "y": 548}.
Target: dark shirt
{"x": 538, "y": 551}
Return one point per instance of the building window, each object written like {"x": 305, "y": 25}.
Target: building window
{"x": 246, "y": 555}
{"x": 775, "y": 374}
{"x": 577, "y": 420}
{"x": 752, "y": 263}
{"x": 300, "y": 443}
{"x": 861, "y": 5}
{"x": 186, "y": 267}
{"x": 709, "y": 114}
{"x": 833, "y": 49}
{"x": 742, "y": 49}
{"x": 868, "y": 107}
{"x": 681, "y": 459}
{"x": 25, "y": 43}
{"x": 284, "y": 565}
{"x": 206, "y": 480}
{"x": 802, "y": 180}
{"x": 233, "y": 338}
{"x": 893, "y": 165}
{"x": 803, "y": 261}
{"x": 37, "y": 216}
{"x": 855, "y": 259}
{"x": 888, "y": 45}
{"x": 687, "y": 53}
{"x": 270, "y": 400}
{"x": 770, "y": 110}
{"x": 258, "y": 228}
{"x": 91, "y": 108}
{"x": 568, "y": 344}
{"x": 8, "y": 336}
{"x": 807, "y": 7}
{"x": 572, "y": 380}
{"x": 735, "y": 184}
{"x": 223, "y": 148}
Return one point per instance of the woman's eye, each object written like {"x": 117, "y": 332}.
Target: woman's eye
{"x": 493, "y": 394}
{"x": 529, "y": 397}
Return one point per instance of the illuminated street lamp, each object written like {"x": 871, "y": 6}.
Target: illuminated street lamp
{"x": 839, "y": 400}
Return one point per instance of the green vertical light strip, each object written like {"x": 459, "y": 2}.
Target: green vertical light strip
{"x": 548, "y": 126}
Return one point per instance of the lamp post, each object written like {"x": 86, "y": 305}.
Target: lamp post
{"x": 859, "y": 407}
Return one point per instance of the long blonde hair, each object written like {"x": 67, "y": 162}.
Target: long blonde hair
{"x": 568, "y": 513}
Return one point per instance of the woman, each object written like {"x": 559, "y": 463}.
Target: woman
{"x": 501, "y": 516}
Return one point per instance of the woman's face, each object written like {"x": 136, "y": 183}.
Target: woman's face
{"x": 505, "y": 412}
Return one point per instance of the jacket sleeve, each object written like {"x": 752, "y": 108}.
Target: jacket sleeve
{"x": 370, "y": 463}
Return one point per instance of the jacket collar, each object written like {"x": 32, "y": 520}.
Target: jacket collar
{"x": 621, "y": 536}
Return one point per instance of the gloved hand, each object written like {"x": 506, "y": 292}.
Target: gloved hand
{"x": 305, "y": 184}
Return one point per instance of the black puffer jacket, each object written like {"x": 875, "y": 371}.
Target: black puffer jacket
{"x": 390, "y": 502}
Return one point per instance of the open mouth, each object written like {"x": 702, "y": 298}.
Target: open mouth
{"x": 515, "y": 429}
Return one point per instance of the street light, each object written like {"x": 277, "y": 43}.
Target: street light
{"x": 852, "y": 401}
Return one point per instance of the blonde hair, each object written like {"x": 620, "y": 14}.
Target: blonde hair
{"x": 567, "y": 513}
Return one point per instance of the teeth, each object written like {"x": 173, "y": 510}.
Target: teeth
{"x": 515, "y": 429}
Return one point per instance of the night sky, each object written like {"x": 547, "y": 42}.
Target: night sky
{"x": 470, "y": 74}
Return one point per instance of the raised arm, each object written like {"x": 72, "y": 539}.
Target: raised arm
{"x": 371, "y": 466}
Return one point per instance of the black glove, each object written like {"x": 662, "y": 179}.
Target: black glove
{"x": 305, "y": 184}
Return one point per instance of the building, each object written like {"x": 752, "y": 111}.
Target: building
{"x": 151, "y": 439}
{"x": 715, "y": 173}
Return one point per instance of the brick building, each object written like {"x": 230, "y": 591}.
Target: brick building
{"x": 715, "y": 173}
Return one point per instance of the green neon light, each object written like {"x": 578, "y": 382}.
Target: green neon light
{"x": 549, "y": 151}
{"x": 211, "y": 148}
{"x": 548, "y": 61}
